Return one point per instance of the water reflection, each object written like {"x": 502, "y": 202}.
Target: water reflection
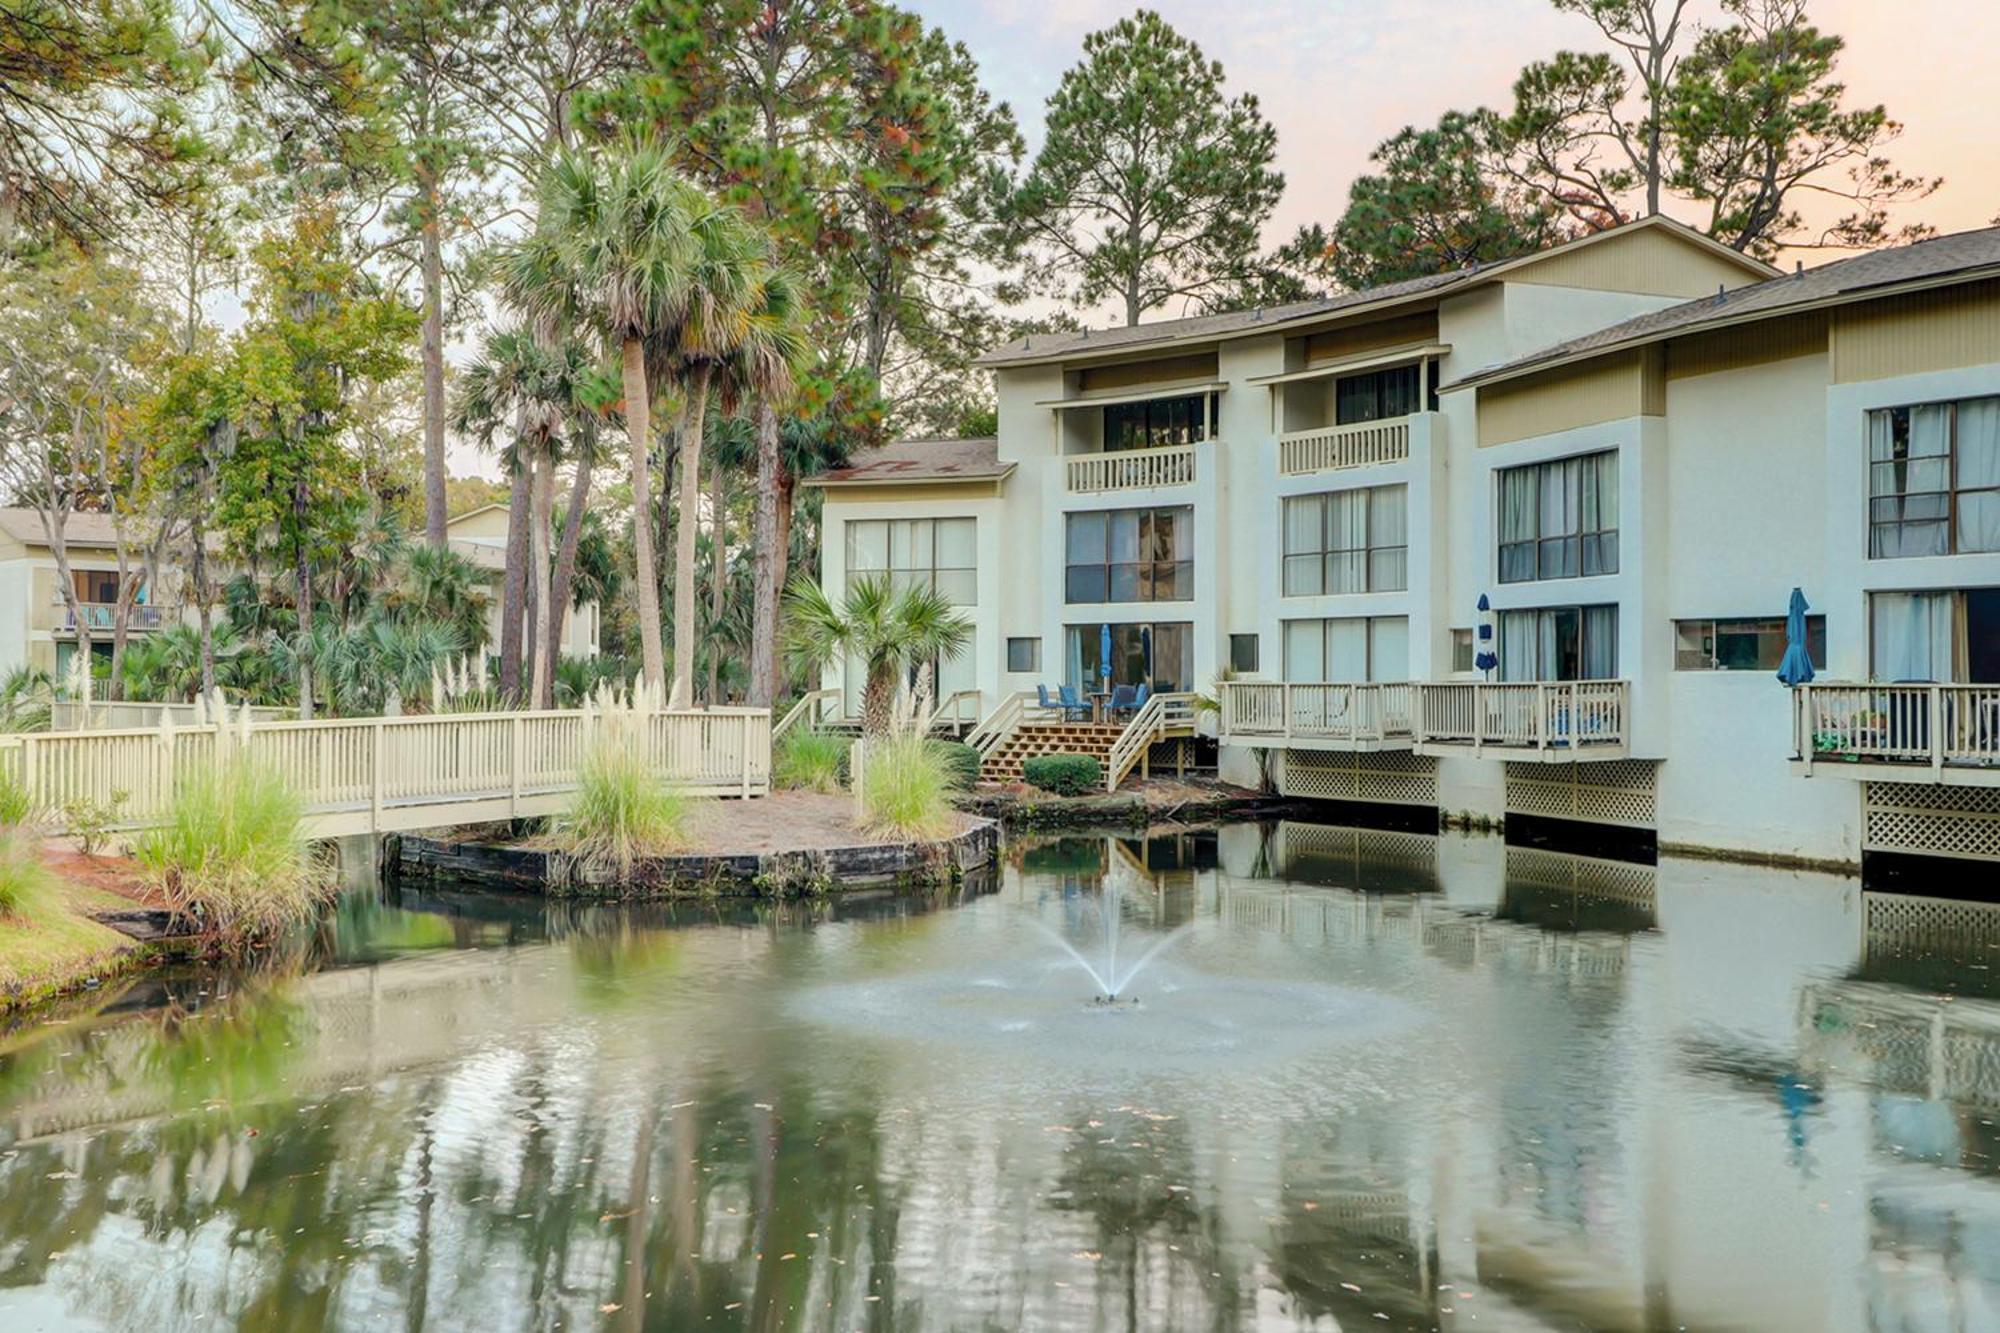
{"x": 1627, "y": 1097}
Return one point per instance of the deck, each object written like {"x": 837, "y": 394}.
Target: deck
{"x": 1944, "y": 734}
{"x": 1549, "y": 721}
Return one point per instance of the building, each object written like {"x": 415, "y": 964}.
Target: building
{"x": 1632, "y": 447}
{"x": 480, "y": 535}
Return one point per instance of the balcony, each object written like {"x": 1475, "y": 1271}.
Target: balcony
{"x": 1332, "y": 448}
{"x": 1551, "y": 721}
{"x": 1129, "y": 470}
{"x": 1898, "y": 733}
{"x": 102, "y": 618}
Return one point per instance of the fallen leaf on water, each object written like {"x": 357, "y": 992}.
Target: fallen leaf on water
{"x": 609, "y": 1307}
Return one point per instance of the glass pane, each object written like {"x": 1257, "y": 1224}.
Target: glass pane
{"x": 1086, "y": 583}
{"x": 1124, "y": 540}
{"x": 1518, "y": 505}
{"x": 956, "y": 547}
{"x": 1304, "y": 575}
{"x": 1347, "y": 571}
{"x": 959, "y": 586}
{"x": 867, "y": 545}
{"x": 1302, "y": 524}
{"x": 1347, "y": 650}
{"x": 1388, "y": 508}
{"x": 1124, "y": 583}
{"x": 1600, "y": 643}
{"x": 1388, "y": 569}
{"x": 1517, "y": 563}
{"x": 1694, "y": 645}
{"x": 1389, "y": 648}
{"x": 1173, "y": 660}
{"x": 1305, "y": 650}
{"x": 1086, "y": 539}
{"x": 1979, "y": 521}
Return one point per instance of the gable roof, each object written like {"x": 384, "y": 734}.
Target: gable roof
{"x": 1967, "y": 256}
{"x": 1041, "y": 348}
{"x": 88, "y": 527}
{"x": 907, "y": 461}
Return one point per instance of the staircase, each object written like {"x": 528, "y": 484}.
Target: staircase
{"x": 1029, "y": 739}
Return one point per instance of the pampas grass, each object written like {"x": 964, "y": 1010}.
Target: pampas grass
{"x": 906, "y": 786}
{"x": 809, "y": 760}
{"x": 232, "y": 854}
{"x": 621, "y": 810}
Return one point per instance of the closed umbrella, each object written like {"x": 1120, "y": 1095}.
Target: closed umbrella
{"x": 1486, "y": 658}
{"x": 1146, "y": 649}
{"x": 1797, "y": 667}
{"x": 1104, "y": 652}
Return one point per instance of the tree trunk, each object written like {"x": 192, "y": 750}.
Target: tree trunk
{"x": 204, "y": 612}
{"x": 781, "y": 559}
{"x": 302, "y": 571}
{"x": 765, "y": 563}
{"x": 878, "y": 699}
{"x": 718, "y": 574}
{"x": 695, "y": 414}
{"x": 433, "y": 363}
{"x": 538, "y": 543}
{"x": 638, "y": 426}
{"x": 514, "y": 583}
{"x": 561, "y": 592}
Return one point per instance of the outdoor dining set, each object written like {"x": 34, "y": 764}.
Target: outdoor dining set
{"x": 1113, "y": 704}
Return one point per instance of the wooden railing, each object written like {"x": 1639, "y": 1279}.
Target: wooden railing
{"x": 1358, "y": 713}
{"x": 1161, "y": 716}
{"x": 1938, "y": 726}
{"x": 1006, "y": 718}
{"x": 1330, "y": 448}
{"x": 1130, "y": 469}
{"x": 379, "y": 774}
{"x": 958, "y": 709}
{"x": 1526, "y": 715}
{"x": 808, "y": 712}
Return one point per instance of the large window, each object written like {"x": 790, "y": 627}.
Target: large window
{"x": 1742, "y": 644}
{"x": 1399, "y": 391}
{"x": 1947, "y": 636}
{"x": 1347, "y": 541}
{"x": 1156, "y": 423}
{"x": 1934, "y": 479}
{"x": 1131, "y": 555}
{"x": 1559, "y": 520}
{"x": 1559, "y": 643}
{"x": 1348, "y": 650}
{"x": 1158, "y": 655}
{"x": 916, "y": 552}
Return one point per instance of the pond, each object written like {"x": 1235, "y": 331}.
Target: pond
{"x": 1363, "y": 1079}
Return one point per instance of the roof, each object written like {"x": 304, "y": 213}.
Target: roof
{"x": 1044, "y": 347}
{"x": 906, "y": 461}
{"x": 83, "y": 528}
{"x": 1962, "y": 257}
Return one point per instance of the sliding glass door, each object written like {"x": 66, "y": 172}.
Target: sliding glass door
{"x": 1946, "y": 636}
{"x": 1559, "y": 643}
{"x": 1160, "y": 655}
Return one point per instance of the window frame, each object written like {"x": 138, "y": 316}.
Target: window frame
{"x": 1236, "y": 662}
{"x": 1142, "y": 574}
{"x": 1815, "y": 641}
{"x": 1326, "y": 555}
{"x": 1034, "y": 653}
{"x": 1146, "y": 433}
{"x": 1953, "y": 494}
{"x": 1369, "y": 630}
{"x": 1578, "y": 541}
{"x": 901, "y": 576}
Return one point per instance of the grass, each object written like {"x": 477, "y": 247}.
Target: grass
{"x": 233, "y": 857}
{"x": 622, "y": 810}
{"x": 809, "y": 760}
{"x": 26, "y": 883}
{"x": 906, "y": 787}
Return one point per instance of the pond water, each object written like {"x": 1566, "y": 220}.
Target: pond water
{"x": 1376, "y": 1079}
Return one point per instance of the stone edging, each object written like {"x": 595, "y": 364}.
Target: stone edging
{"x": 768, "y": 874}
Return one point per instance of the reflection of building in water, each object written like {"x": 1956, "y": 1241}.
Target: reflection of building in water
{"x": 1365, "y": 860}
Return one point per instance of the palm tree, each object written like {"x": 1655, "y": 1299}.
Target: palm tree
{"x": 890, "y": 632}
{"x": 436, "y": 586}
{"x": 615, "y": 243}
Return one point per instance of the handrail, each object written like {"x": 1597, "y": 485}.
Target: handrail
{"x": 998, "y": 725}
{"x": 1334, "y": 448}
{"x": 1936, "y": 726}
{"x": 1160, "y": 714}
{"x": 1285, "y": 709}
{"x": 1515, "y": 715}
{"x": 1129, "y": 469}
{"x": 812, "y": 701}
{"x": 950, "y": 712}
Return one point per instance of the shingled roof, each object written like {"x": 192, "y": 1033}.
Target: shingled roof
{"x": 1962, "y": 257}
{"x": 921, "y": 460}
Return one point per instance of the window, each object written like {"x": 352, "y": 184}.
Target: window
{"x": 1462, "y": 658}
{"x": 1946, "y": 636}
{"x": 1348, "y": 650}
{"x": 1157, "y": 423}
{"x": 1243, "y": 652}
{"x": 1131, "y": 555}
{"x": 1559, "y": 643}
{"x": 1158, "y": 655}
{"x": 1347, "y": 541}
{"x": 1756, "y": 644}
{"x": 1398, "y": 391}
{"x": 96, "y": 587}
{"x": 1559, "y": 520}
{"x": 1934, "y": 479}
{"x": 916, "y": 552}
{"x": 1024, "y": 654}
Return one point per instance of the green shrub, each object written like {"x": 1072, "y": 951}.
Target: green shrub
{"x": 233, "y": 854}
{"x": 26, "y": 883}
{"x": 16, "y": 806}
{"x": 962, "y": 761}
{"x": 808, "y": 760}
{"x": 906, "y": 787}
{"x": 621, "y": 810}
{"x": 1064, "y": 774}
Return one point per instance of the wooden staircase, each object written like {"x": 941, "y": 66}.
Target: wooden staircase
{"x": 1029, "y": 739}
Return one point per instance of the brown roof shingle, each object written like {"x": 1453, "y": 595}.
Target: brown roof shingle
{"x": 921, "y": 460}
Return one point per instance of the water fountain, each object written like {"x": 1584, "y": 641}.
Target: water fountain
{"x": 1113, "y": 985}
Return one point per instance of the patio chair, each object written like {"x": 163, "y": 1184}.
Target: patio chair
{"x": 1144, "y": 693}
{"x": 1124, "y": 699}
{"x": 1042, "y": 695}
{"x": 1073, "y": 706}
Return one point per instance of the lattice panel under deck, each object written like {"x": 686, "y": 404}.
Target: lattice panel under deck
{"x": 1615, "y": 792}
{"x": 1932, "y": 820}
{"x": 1387, "y": 777}
{"x": 1901, "y": 923}
{"x": 1592, "y": 876}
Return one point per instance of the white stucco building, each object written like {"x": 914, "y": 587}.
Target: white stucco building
{"x": 1633, "y": 447}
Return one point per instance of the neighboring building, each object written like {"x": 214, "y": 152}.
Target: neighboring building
{"x": 480, "y": 535}
{"x": 1634, "y": 446}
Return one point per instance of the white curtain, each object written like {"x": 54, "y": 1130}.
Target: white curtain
{"x": 1305, "y": 546}
{"x": 1347, "y": 650}
{"x": 1520, "y": 633}
{"x": 1600, "y": 643}
{"x": 1388, "y": 539}
{"x": 1979, "y": 475}
{"x": 1347, "y": 541}
{"x": 1389, "y": 653}
{"x": 1305, "y": 650}
{"x": 1911, "y": 637}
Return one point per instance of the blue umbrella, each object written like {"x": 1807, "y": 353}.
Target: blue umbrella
{"x": 1487, "y": 659}
{"x": 1104, "y": 651}
{"x": 1146, "y": 648}
{"x": 1797, "y": 668}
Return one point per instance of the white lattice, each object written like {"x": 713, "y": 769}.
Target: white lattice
{"x": 1365, "y": 858}
{"x": 1588, "y": 875}
{"x": 1932, "y": 820}
{"x": 1616, "y": 792}
{"x": 1388, "y": 777}
{"x": 1903, "y": 923}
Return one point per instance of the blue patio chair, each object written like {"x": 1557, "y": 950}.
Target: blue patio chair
{"x": 1124, "y": 699}
{"x": 1073, "y": 706}
{"x": 1042, "y": 694}
{"x": 1139, "y": 698}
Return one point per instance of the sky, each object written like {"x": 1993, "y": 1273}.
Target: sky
{"x": 1336, "y": 77}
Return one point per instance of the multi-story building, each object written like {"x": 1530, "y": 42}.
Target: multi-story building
{"x": 1615, "y": 459}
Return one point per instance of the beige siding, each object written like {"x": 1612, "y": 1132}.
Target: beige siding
{"x": 1906, "y": 335}
{"x": 1653, "y": 262}
{"x": 1197, "y": 366}
{"x": 1382, "y": 335}
{"x": 1610, "y": 389}
{"x": 1747, "y": 345}
{"x": 489, "y": 522}
{"x": 927, "y": 492}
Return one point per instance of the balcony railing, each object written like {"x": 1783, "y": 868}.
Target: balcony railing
{"x": 1547, "y": 717}
{"x": 1919, "y": 726}
{"x": 1130, "y": 469}
{"x": 102, "y": 616}
{"x": 1331, "y": 448}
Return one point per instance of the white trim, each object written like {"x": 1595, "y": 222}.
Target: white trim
{"x": 1175, "y": 389}
{"x": 1376, "y": 360}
